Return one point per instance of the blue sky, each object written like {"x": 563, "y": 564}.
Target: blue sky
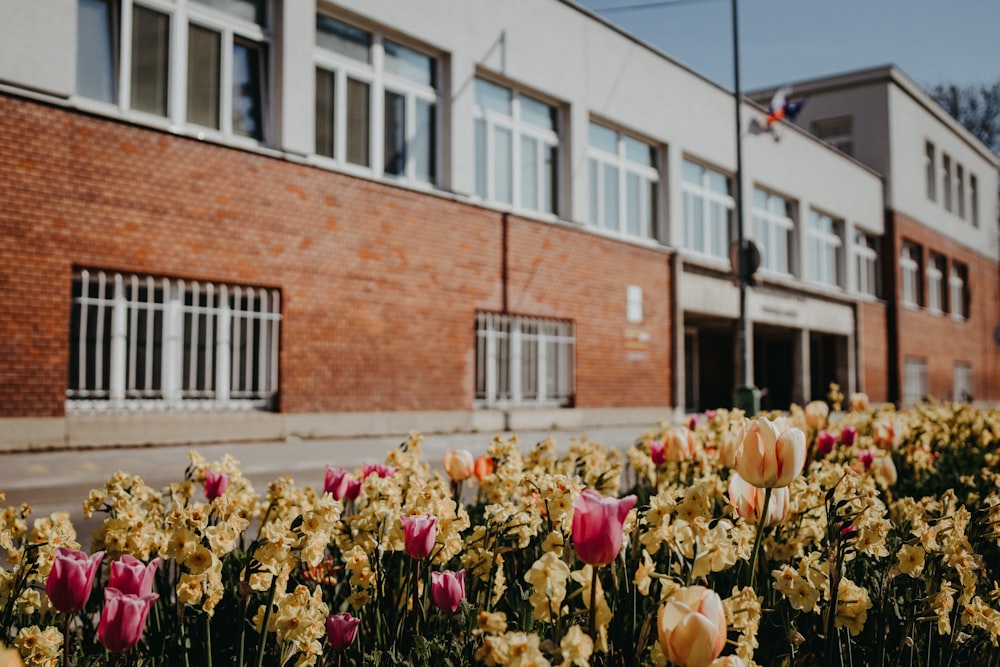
{"x": 782, "y": 41}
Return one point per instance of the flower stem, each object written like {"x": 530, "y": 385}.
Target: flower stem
{"x": 267, "y": 620}
{"x": 208, "y": 640}
{"x": 760, "y": 534}
{"x": 593, "y": 605}
{"x": 65, "y": 656}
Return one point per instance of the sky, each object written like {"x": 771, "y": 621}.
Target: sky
{"x": 783, "y": 41}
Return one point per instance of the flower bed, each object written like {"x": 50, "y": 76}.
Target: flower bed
{"x": 864, "y": 537}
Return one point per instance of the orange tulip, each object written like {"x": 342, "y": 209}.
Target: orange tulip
{"x": 483, "y": 467}
{"x": 459, "y": 464}
{"x": 691, "y": 627}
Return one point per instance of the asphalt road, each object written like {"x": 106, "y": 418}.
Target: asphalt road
{"x": 61, "y": 480}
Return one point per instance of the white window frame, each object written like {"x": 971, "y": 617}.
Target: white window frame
{"x": 826, "y": 250}
{"x": 936, "y": 297}
{"x": 960, "y": 189}
{"x": 962, "y": 382}
{"x": 512, "y": 364}
{"x": 545, "y": 140}
{"x": 768, "y": 224}
{"x": 182, "y": 13}
{"x": 914, "y": 380}
{"x": 909, "y": 267}
{"x": 380, "y": 81}
{"x": 224, "y": 331}
{"x": 649, "y": 178}
{"x": 866, "y": 263}
{"x": 716, "y": 241}
{"x": 946, "y": 181}
{"x": 930, "y": 171}
{"x": 957, "y": 292}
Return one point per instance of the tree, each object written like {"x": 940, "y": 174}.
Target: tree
{"x": 976, "y": 107}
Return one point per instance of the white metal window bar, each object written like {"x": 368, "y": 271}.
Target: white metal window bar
{"x": 935, "y": 284}
{"x": 909, "y": 265}
{"x": 146, "y": 343}
{"x": 523, "y": 361}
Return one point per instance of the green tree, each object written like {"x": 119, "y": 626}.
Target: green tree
{"x": 976, "y": 107}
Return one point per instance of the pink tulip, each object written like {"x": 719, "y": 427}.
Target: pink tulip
{"x": 123, "y": 619}
{"x": 216, "y": 484}
{"x": 770, "y": 455}
{"x": 337, "y": 482}
{"x": 749, "y": 501}
{"x": 691, "y": 627}
{"x": 341, "y": 630}
{"x": 132, "y": 577}
{"x": 448, "y": 590}
{"x": 418, "y": 534}
{"x": 597, "y": 526}
{"x": 657, "y": 452}
{"x": 848, "y": 435}
{"x": 711, "y": 414}
{"x": 71, "y": 578}
{"x": 692, "y": 422}
{"x": 825, "y": 442}
{"x": 866, "y": 457}
{"x": 459, "y": 464}
{"x": 380, "y": 469}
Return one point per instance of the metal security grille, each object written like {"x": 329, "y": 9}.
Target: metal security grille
{"x": 523, "y": 361}
{"x": 141, "y": 342}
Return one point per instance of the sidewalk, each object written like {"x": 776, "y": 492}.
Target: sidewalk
{"x": 61, "y": 480}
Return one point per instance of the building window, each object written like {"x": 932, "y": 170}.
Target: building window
{"x": 149, "y": 343}
{"x": 866, "y": 263}
{"x": 826, "y": 247}
{"x": 960, "y": 189}
{"x": 914, "y": 380}
{"x": 946, "y": 180}
{"x": 930, "y": 171}
{"x": 774, "y": 230}
{"x": 517, "y": 149}
{"x": 523, "y": 361}
{"x": 909, "y": 267}
{"x": 958, "y": 290}
{"x": 936, "y": 295}
{"x": 962, "y": 391}
{"x": 838, "y": 132}
{"x": 974, "y": 200}
{"x": 363, "y": 80}
{"x": 201, "y": 63}
{"x": 708, "y": 210}
{"x": 623, "y": 182}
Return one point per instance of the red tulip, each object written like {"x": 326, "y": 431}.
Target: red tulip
{"x": 825, "y": 442}
{"x": 216, "y": 484}
{"x": 597, "y": 526}
{"x": 123, "y": 619}
{"x": 459, "y": 464}
{"x": 418, "y": 534}
{"x": 337, "y": 482}
{"x": 657, "y": 452}
{"x": 71, "y": 578}
{"x": 341, "y": 630}
{"x": 691, "y": 627}
{"x": 848, "y": 435}
{"x": 380, "y": 469}
{"x": 132, "y": 577}
{"x": 448, "y": 589}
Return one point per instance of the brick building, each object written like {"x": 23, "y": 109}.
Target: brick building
{"x": 229, "y": 219}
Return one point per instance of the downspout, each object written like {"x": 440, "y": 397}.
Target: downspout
{"x": 504, "y": 290}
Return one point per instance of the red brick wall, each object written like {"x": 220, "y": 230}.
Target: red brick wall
{"x": 939, "y": 339}
{"x": 874, "y": 345}
{"x": 380, "y": 285}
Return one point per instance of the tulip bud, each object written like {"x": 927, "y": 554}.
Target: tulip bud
{"x": 884, "y": 470}
{"x": 484, "y": 467}
{"x": 337, "y": 483}
{"x": 859, "y": 402}
{"x": 728, "y": 661}
{"x": 379, "y": 469}
{"x": 132, "y": 577}
{"x": 657, "y": 452}
{"x": 848, "y": 435}
{"x": 679, "y": 444}
{"x": 749, "y": 501}
{"x": 71, "y": 578}
{"x": 771, "y": 455}
{"x": 341, "y": 630}
{"x": 419, "y": 533}
{"x": 123, "y": 619}
{"x": 866, "y": 457}
{"x": 597, "y": 526}
{"x": 215, "y": 484}
{"x": 448, "y": 590}
{"x": 816, "y": 414}
{"x": 884, "y": 434}
{"x": 691, "y": 627}
{"x": 459, "y": 464}
{"x": 825, "y": 442}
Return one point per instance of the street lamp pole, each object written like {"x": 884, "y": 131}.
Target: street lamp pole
{"x": 745, "y": 395}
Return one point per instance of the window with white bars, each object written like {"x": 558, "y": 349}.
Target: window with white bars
{"x": 376, "y": 103}
{"x": 148, "y": 343}
{"x": 523, "y": 361}
{"x": 774, "y": 230}
{"x": 914, "y": 380}
{"x": 909, "y": 269}
{"x": 866, "y": 263}
{"x": 517, "y": 149}
{"x": 826, "y": 247}
{"x": 191, "y": 62}
{"x": 958, "y": 291}
{"x": 936, "y": 295}
{"x": 708, "y": 210}
{"x": 623, "y": 182}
